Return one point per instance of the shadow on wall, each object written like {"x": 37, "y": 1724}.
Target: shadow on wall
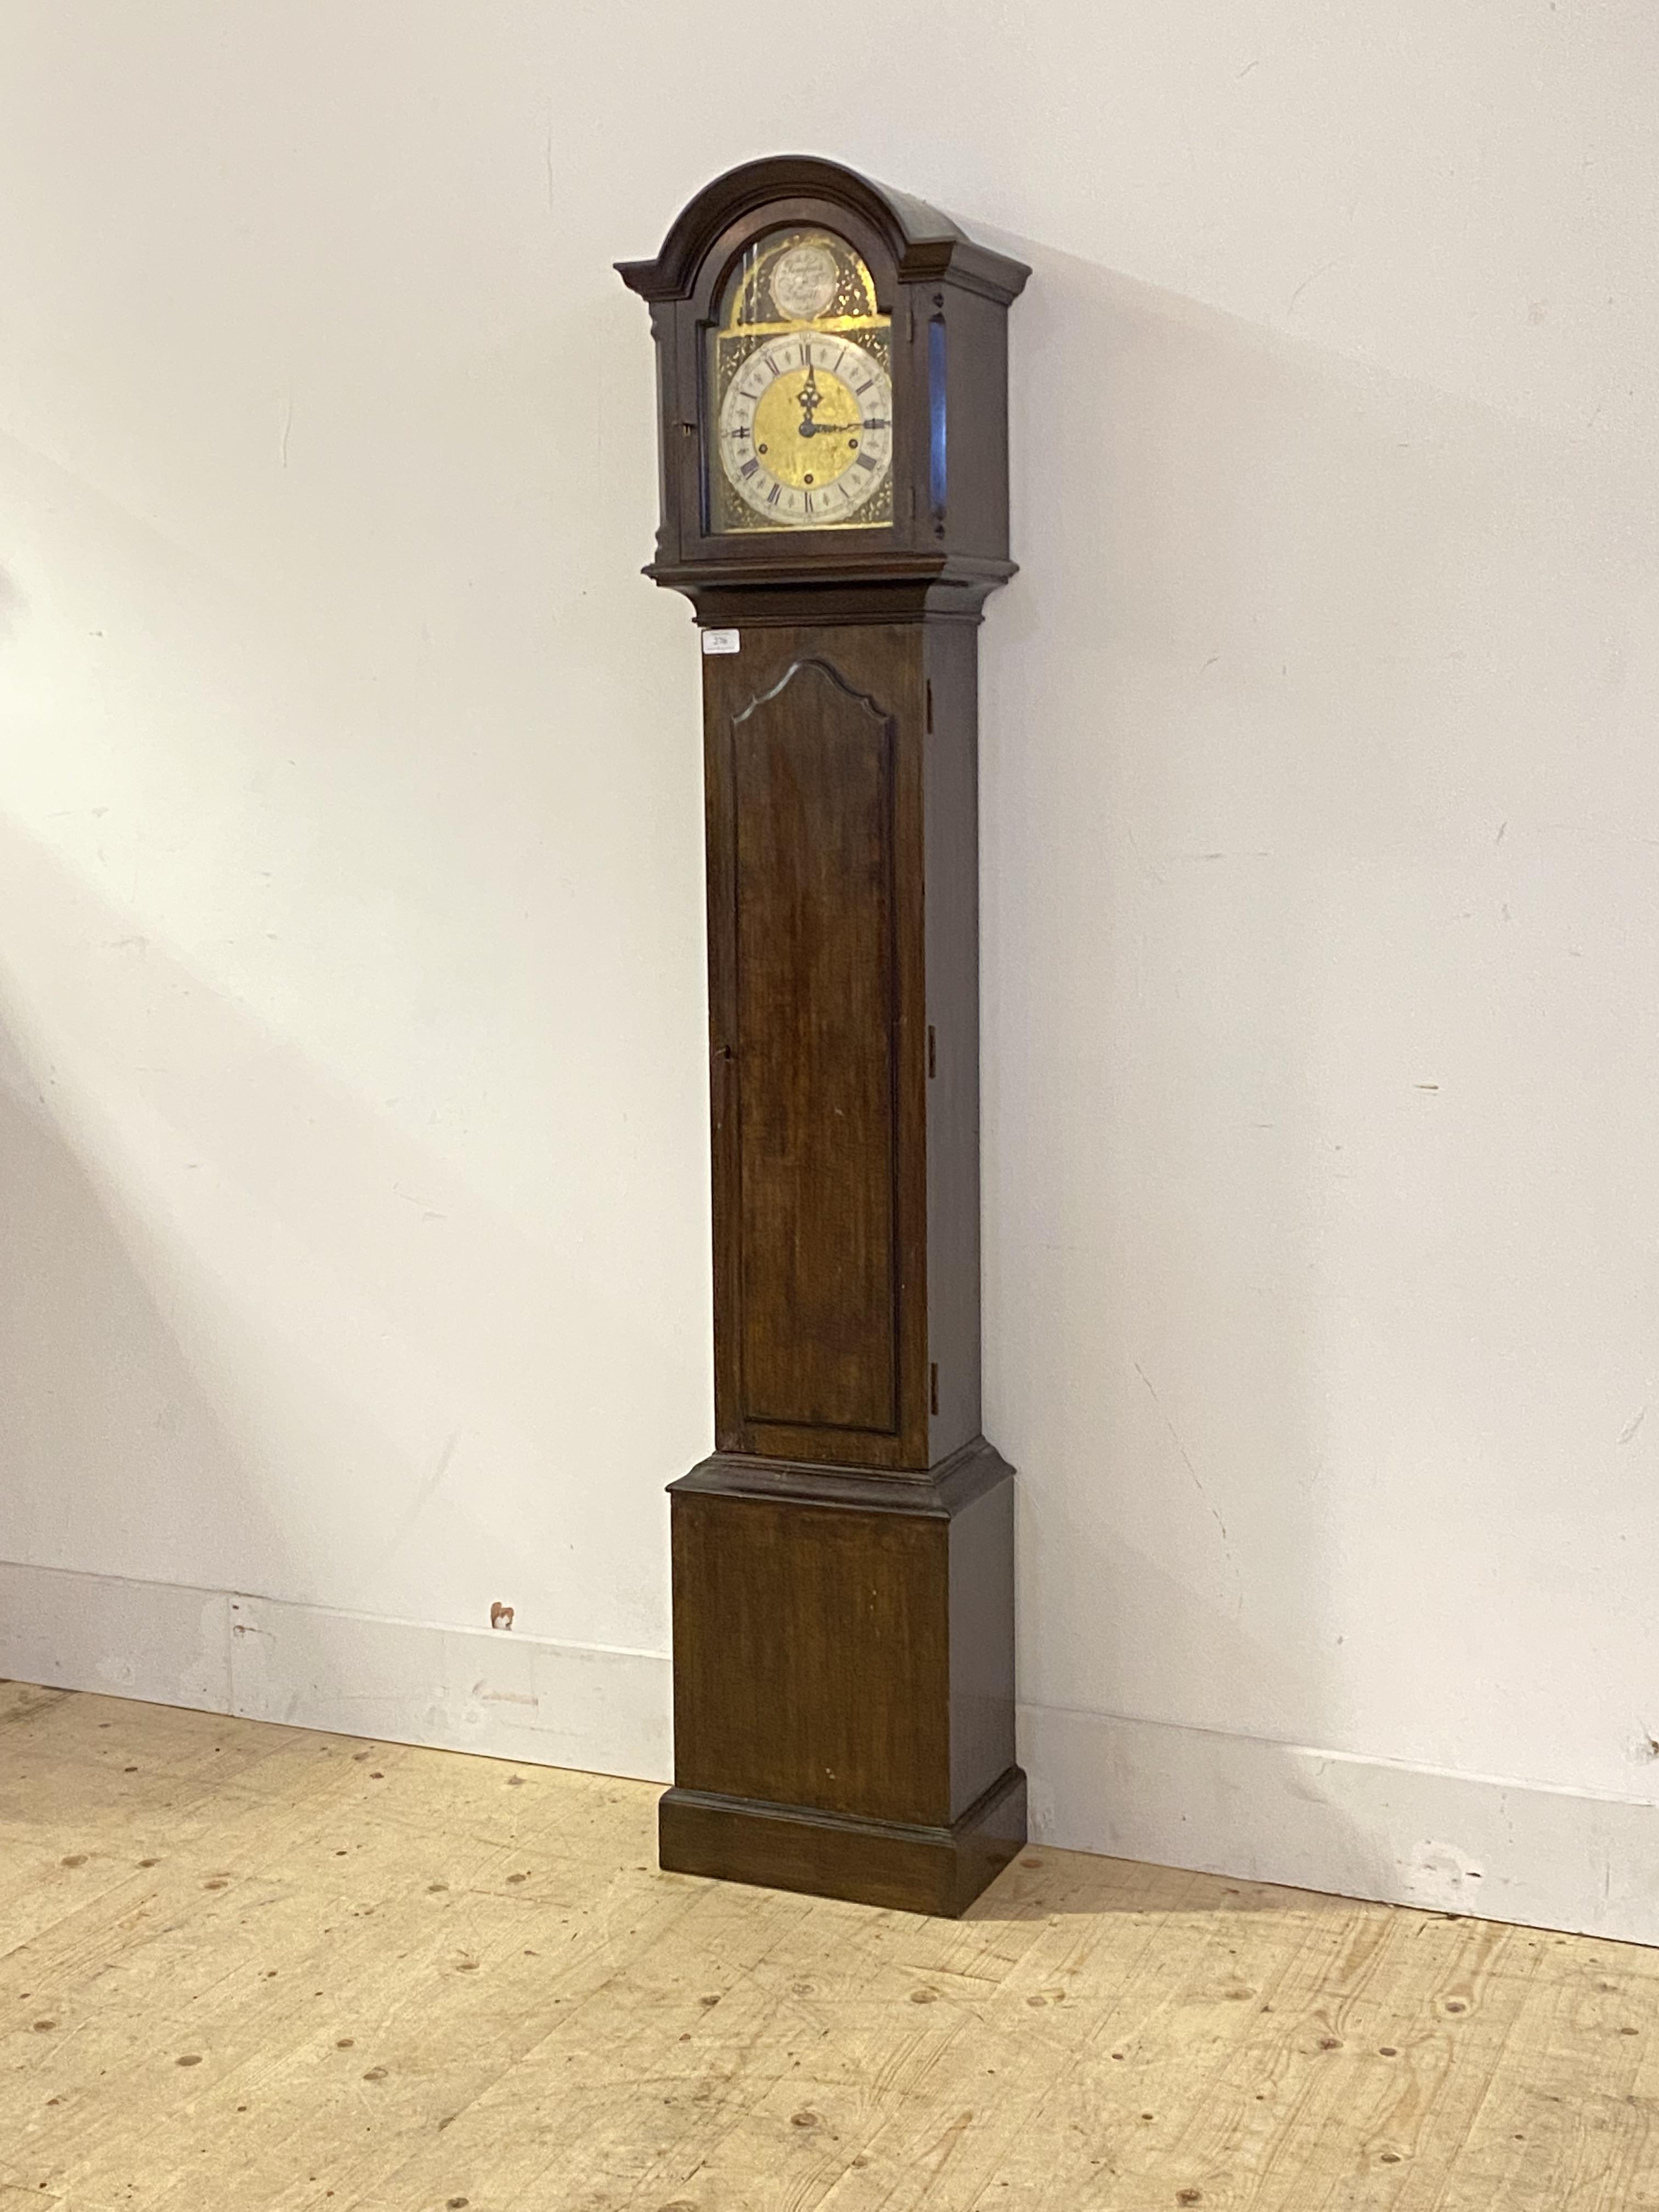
{"x": 11, "y": 607}
{"x": 1293, "y": 637}
{"x": 378, "y": 1135}
{"x": 255, "y": 1339}
{"x": 96, "y": 1376}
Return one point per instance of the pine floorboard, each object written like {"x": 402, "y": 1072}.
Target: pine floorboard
{"x": 250, "y": 1966}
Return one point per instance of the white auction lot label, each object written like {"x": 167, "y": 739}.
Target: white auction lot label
{"x": 719, "y": 641}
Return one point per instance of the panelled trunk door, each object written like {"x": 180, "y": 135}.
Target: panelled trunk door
{"x": 815, "y": 952}
{"x": 812, "y": 770}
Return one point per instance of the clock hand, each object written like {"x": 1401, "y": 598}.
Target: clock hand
{"x": 828, "y": 429}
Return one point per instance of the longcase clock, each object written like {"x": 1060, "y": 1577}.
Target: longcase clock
{"x": 833, "y": 426}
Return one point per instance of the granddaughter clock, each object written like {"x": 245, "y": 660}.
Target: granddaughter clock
{"x": 832, "y": 387}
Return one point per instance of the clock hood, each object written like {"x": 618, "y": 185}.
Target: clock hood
{"x": 925, "y": 244}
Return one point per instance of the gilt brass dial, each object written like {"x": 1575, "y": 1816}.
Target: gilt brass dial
{"x": 802, "y": 422}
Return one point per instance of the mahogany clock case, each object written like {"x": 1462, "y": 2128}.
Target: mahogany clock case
{"x": 843, "y": 1564}
{"x": 948, "y": 298}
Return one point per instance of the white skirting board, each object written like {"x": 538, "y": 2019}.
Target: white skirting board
{"x": 401, "y": 1682}
{"x": 1329, "y": 1821}
{"x": 1146, "y": 1790}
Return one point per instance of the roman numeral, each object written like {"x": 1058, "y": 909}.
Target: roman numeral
{"x": 807, "y": 496}
{"x": 772, "y": 495}
{"x": 868, "y": 461}
{"x": 750, "y": 468}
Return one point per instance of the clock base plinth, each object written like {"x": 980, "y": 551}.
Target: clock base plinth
{"x": 843, "y": 1678}
{"x": 907, "y": 1868}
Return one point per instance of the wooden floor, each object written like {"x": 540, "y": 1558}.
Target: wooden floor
{"x": 256, "y": 1969}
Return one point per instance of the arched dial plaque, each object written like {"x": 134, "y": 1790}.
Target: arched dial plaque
{"x": 833, "y": 441}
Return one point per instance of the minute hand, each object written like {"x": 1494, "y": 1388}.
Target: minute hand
{"x": 810, "y": 429}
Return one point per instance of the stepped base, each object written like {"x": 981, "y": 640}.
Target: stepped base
{"x": 909, "y": 1869}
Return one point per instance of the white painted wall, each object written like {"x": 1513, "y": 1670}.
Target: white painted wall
{"x": 352, "y": 1128}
